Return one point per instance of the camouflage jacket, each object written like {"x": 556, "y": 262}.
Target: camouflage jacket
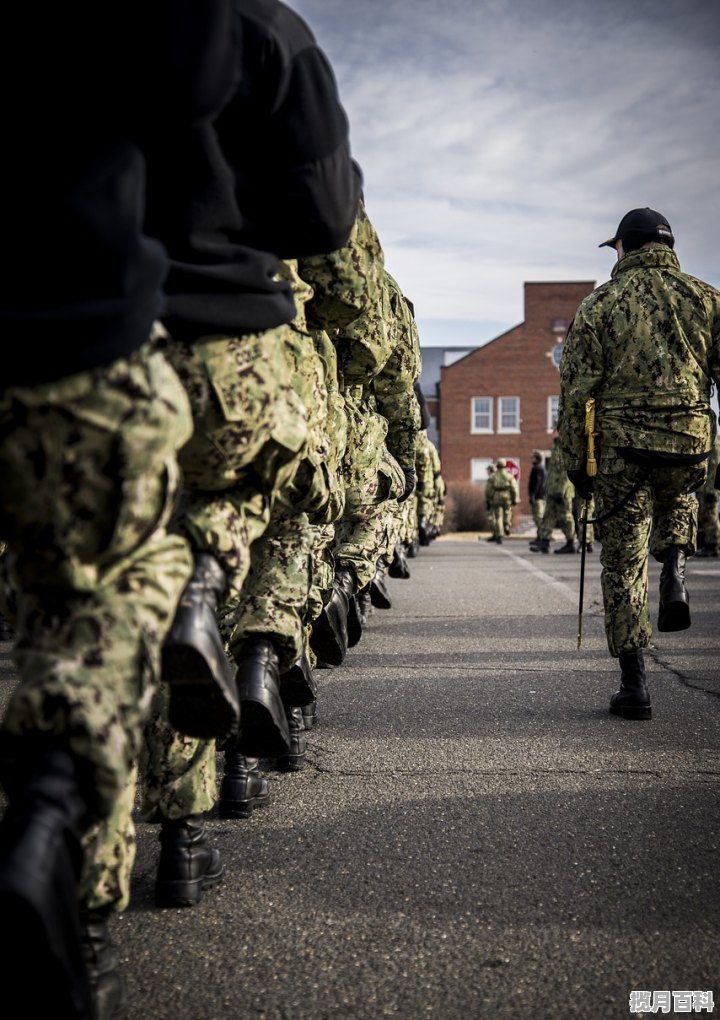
{"x": 351, "y": 302}
{"x": 499, "y": 486}
{"x": 646, "y": 346}
{"x": 393, "y": 386}
{"x": 557, "y": 484}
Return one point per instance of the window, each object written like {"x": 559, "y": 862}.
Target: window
{"x": 552, "y": 413}
{"x": 508, "y": 414}
{"x": 478, "y": 469}
{"x": 482, "y": 414}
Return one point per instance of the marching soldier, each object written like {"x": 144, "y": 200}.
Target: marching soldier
{"x": 645, "y": 346}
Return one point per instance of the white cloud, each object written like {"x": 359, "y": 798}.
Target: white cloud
{"x": 501, "y": 140}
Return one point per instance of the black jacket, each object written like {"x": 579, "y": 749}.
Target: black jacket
{"x": 272, "y": 177}
{"x": 536, "y": 481}
{"x": 84, "y": 85}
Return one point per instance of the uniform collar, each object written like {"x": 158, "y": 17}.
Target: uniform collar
{"x": 647, "y": 258}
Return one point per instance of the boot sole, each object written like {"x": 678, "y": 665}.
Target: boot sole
{"x": 291, "y": 762}
{"x": 241, "y": 808}
{"x": 184, "y": 894}
{"x": 674, "y": 616}
{"x": 632, "y": 711}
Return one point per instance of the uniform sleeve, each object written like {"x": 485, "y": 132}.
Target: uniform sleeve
{"x": 581, "y": 369}
{"x": 394, "y": 386}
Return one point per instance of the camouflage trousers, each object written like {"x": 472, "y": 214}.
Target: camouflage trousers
{"x": 537, "y": 508}
{"x": 274, "y": 599}
{"x": 501, "y": 514}
{"x": 660, "y": 514}
{"x": 558, "y": 514}
{"x": 179, "y": 778}
{"x": 241, "y": 473}
{"x": 179, "y": 773}
{"x": 372, "y": 478}
{"x": 88, "y": 478}
{"x": 248, "y": 440}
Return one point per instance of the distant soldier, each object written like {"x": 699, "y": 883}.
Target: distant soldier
{"x": 646, "y": 347}
{"x": 558, "y": 507}
{"x": 536, "y": 489}
{"x": 501, "y": 494}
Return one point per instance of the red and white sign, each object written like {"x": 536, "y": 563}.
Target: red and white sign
{"x": 513, "y": 468}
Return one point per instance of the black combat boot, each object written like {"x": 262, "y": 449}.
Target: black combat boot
{"x": 632, "y": 701}
{"x": 354, "y": 622}
{"x": 107, "y": 984}
{"x": 329, "y": 639}
{"x": 294, "y": 760}
{"x": 364, "y": 604}
{"x": 674, "y": 612}
{"x": 263, "y": 726}
{"x": 310, "y": 715}
{"x": 412, "y": 548}
{"x": 423, "y": 532}
{"x": 297, "y": 684}
{"x": 243, "y": 786}
{"x": 41, "y": 857}
{"x": 203, "y": 696}
{"x": 399, "y": 565}
{"x": 571, "y": 546}
{"x": 188, "y": 864}
{"x": 541, "y": 545}
{"x": 6, "y": 631}
{"x": 379, "y": 594}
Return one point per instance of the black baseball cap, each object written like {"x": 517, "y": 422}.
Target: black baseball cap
{"x": 638, "y": 227}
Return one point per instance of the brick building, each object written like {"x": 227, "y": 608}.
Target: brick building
{"x": 501, "y": 399}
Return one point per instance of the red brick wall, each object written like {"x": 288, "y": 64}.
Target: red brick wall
{"x": 516, "y": 364}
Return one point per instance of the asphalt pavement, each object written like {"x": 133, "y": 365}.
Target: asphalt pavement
{"x": 473, "y": 834}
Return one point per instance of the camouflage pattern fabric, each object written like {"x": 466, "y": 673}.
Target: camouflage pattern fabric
{"x": 501, "y": 495}
{"x": 559, "y": 492}
{"x": 662, "y": 512}
{"x": 425, "y": 480}
{"x": 275, "y": 596}
{"x": 351, "y": 302}
{"x": 645, "y": 345}
{"x": 393, "y": 386}
{"x": 250, "y": 432}
{"x": 88, "y": 476}
{"x": 110, "y": 848}
{"x": 537, "y": 508}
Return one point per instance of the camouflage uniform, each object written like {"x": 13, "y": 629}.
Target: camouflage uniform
{"x": 89, "y": 476}
{"x": 645, "y": 345}
{"x": 254, "y": 527}
{"x": 559, "y": 494}
{"x": 352, "y": 303}
{"x": 501, "y": 494}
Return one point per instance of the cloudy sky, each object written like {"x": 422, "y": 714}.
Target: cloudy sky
{"x": 502, "y": 140}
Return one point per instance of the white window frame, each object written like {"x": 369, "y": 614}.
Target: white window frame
{"x": 551, "y": 425}
{"x": 474, "y": 430}
{"x": 500, "y": 428}
{"x": 478, "y": 469}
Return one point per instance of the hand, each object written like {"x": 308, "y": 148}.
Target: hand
{"x": 583, "y": 482}
{"x": 409, "y": 484}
